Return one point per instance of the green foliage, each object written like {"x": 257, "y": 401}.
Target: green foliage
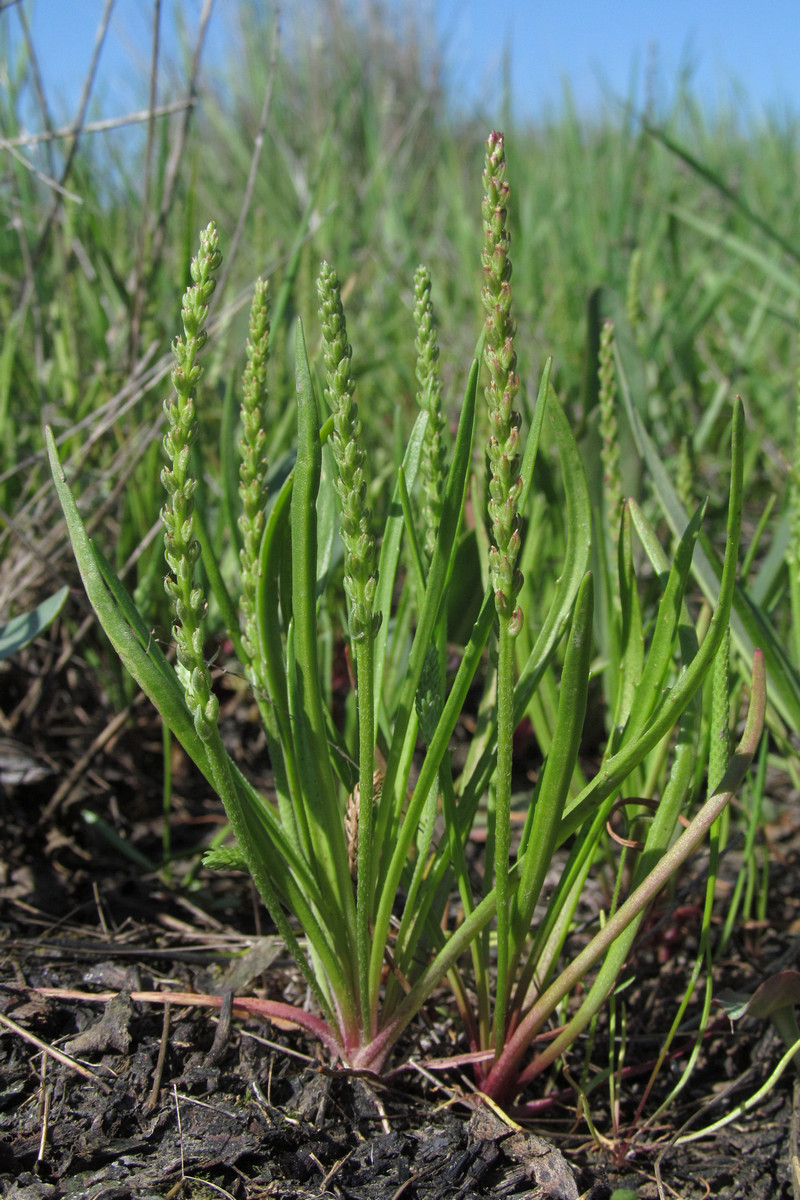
{"x": 680, "y": 232}
{"x": 17, "y": 632}
{"x": 343, "y": 840}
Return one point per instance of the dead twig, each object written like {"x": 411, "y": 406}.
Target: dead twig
{"x": 58, "y": 1055}
{"x": 152, "y": 1099}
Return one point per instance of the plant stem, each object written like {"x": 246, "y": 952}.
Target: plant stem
{"x": 505, "y": 748}
{"x": 364, "y": 653}
{"x": 505, "y": 488}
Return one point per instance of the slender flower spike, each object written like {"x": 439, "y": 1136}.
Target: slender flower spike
{"x": 181, "y": 549}
{"x": 505, "y": 484}
{"x": 633, "y": 302}
{"x": 429, "y": 398}
{"x": 253, "y": 466}
{"x": 429, "y": 700}
{"x": 609, "y": 449}
{"x": 360, "y": 570}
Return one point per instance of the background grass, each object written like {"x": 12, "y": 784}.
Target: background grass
{"x": 363, "y": 163}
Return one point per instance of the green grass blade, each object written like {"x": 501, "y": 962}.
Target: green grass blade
{"x": 319, "y": 795}
{"x": 748, "y": 624}
{"x": 540, "y": 839}
{"x": 659, "y": 656}
{"x": 631, "y": 649}
{"x": 17, "y": 632}
{"x": 141, "y": 657}
{"x": 745, "y": 250}
{"x": 390, "y": 550}
{"x": 675, "y": 700}
{"x": 733, "y": 197}
{"x": 578, "y": 522}
{"x": 440, "y": 568}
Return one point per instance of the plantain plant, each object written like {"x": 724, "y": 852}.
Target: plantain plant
{"x": 359, "y": 855}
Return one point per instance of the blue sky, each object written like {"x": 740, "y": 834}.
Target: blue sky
{"x": 733, "y": 46}
{"x": 754, "y": 47}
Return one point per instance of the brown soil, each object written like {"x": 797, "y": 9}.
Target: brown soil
{"x": 161, "y": 1100}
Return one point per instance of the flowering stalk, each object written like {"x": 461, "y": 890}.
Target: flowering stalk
{"x": 253, "y": 499}
{"x": 360, "y": 583}
{"x": 609, "y": 447}
{"x": 505, "y": 486}
{"x": 429, "y": 398}
{"x": 181, "y": 549}
{"x": 253, "y": 471}
{"x": 429, "y": 700}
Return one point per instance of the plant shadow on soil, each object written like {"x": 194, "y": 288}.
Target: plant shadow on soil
{"x": 184, "y": 1101}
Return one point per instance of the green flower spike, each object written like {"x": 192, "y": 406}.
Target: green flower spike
{"x": 360, "y": 570}
{"x": 609, "y": 449}
{"x": 433, "y": 468}
{"x": 253, "y": 469}
{"x": 505, "y": 484}
{"x": 360, "y": 583}
{"x": 181, "y": 549}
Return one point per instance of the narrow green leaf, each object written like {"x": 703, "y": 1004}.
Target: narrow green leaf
{"x": 749, "y": 627}
{"x": 632, "y": 640}
{"x": 17, "y": 632}
{"x": 219, "y": 588}
{"x": 746, "y": 250}
{"x": 578, "y": 524}
{"x": 675, "y": 700}
{"x": 145, "y": 665}
{"x": 541, "y": 833}
{"x": 659, "y": 656}
{"x": 733, "y": 197}
{"x": 390, "y": 552}
{"x": 319, "y": 796}
{"x": 441, "y": 565}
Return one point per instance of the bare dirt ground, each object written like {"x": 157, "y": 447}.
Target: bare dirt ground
{"x": 159, "y": 1099}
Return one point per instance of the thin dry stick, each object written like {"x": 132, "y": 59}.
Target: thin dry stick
{"x": 45, "y": 1108}
{"x": 101, "y": 916}
{"x": 58, "y": 1055}
{"x": 47, "y": 180}
{"x": 73, "y": 150}
{"x": 135, "y": 118}
{"x": 152, "y": 1099}
{"x": 258, "y": 146}
{"x": 207, "y": 1183}
{"x": 144, "y": 226}
{"x": 173, "y": 163}
{"x": 33, "y": 63}
{"x": 66, "y": 787}
{"x": 28, "y": 289}
{"x": 223, "y": 1031}
{"x": 180, "y": 1130}
{"x": 334, "y": 1171}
